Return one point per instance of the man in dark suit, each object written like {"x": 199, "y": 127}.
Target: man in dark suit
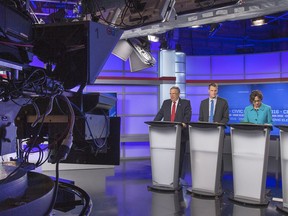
{"x": 182, "y": 113}
{"x": 214, "y": 108}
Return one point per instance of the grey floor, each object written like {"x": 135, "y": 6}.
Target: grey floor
{"x": 123, "y": 191}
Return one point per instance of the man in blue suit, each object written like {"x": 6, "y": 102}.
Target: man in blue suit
{"x": 182, "y": 113}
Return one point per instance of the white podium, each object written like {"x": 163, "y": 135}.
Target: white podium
{"x": 206, "y": 146}
{"x": 284, "y": 165}
{"x": 165, "y": 139}
{"x": 250, "y": 148}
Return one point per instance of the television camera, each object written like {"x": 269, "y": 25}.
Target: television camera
{"x": 42, "y": 113}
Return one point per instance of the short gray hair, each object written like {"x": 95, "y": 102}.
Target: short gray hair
{"x": 175, "y": 87}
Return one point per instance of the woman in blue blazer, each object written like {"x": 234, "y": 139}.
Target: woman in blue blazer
{"x": 257, "y": 112}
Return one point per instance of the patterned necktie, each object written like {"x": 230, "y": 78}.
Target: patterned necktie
{"x": 211, "y": 111}
{"x": 173, "y": 112}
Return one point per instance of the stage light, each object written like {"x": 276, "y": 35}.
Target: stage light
{"x": 123, "y": 50}
{"x": 196, "y": 26}
{"x": 258, "y": 21}
{"x": 137, "y": 50}
{"x": 141, "y": 49}
{"x": 153, "y": 38}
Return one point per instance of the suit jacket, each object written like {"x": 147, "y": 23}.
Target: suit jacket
{"x": 183, "y": 114}
{"x": 221, "y": 113}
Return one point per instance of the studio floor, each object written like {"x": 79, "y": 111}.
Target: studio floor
{"x": 123, "y": 191}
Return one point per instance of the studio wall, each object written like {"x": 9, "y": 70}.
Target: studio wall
{"x": 139, "y": 103}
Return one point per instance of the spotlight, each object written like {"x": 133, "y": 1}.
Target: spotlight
{"x": 153, "y": 38}
{"x": 196, "y": 26}
{"x": 141, "y": 49}
{"x": 258, "y": 21}
{"x": 137, "y": 50}
{"x": 122, "y": 50}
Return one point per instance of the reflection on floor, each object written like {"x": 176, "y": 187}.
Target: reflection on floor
{"x": 123, "y": 191}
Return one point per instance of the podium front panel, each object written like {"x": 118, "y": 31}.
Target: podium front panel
{"x": 284, "y": 165}
{"x": 163, "y": 161}
{"x": 249, "y": 160}
{"x": 165, "y": 154}
{"x": 163, "y": 137}
{"x": 206, "y": 145}
{"x": 249, "y": 142}
{"x": 204, "y": 171}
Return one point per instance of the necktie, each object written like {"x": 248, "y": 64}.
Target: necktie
{"x": 173, "y": 111}
{"x": 211, "y": 111}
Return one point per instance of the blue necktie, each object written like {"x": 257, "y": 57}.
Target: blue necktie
{"x": 211, "y": 111}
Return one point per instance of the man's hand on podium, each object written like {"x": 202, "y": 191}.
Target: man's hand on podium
{"x": 184, "y": 125}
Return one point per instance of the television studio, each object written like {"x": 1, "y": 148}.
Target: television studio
{"x": 83, "y": 82}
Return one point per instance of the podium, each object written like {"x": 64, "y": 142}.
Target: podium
{"x": 250, "y": 148}
{"x": 284, "y": 165}
{"x": 165, "y": 139}
{"x": 206, "y": 146}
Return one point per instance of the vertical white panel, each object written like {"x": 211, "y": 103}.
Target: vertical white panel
{"x": 167, "y": 63}
{"x": 180, "y": 72}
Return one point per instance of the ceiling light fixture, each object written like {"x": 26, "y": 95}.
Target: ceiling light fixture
{"x": 258, "y": 21}
{"x": 137, "y": 51}
{"x": 196, "y": 26}
{"x": 153, "y": 38}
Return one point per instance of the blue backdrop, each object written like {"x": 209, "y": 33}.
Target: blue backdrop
{"x": 275, "y": 95}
